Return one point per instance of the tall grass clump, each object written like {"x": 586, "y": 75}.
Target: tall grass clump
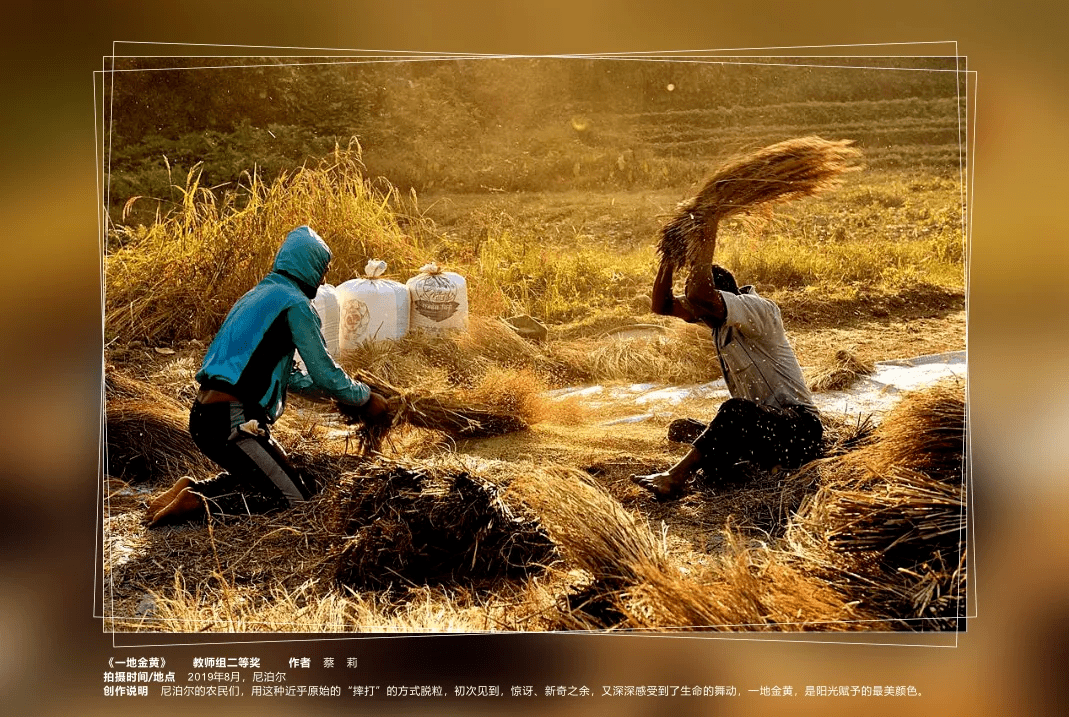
{"x": 557, "y": 286}
{"x": 176, "y": 278}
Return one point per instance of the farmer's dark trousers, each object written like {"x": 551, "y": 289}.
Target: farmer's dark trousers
{"x": 765, "y": 436}
{"x": 258, "y": 477}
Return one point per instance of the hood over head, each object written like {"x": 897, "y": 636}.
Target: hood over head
{"x": 303, "y": 257}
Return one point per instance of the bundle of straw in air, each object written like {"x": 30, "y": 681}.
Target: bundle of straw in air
{"x": 787, "y": 170}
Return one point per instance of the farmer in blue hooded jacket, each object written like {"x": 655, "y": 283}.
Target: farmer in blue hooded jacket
{"x": 246, "y": 374}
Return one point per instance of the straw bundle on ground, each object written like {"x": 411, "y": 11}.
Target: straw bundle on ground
{"x": 844, "y": 370}
{"x": 748, "y": 589}
{"x": 899, "y": 541}
{"x": 636, "y": 585}
{"x": 508, "y": 391}
{"x": 889, "y": 521}
{"x": 147, "y": 433}
{"x": 419, "y": 358}
{"x": 787, "y": 170}
{"x": 924, "y": 432}
{"x": 407, "y": 524}
{"x": 118, "y": 385}
{"x": 438, "y": 411}
{"x": 595, "y": 533}
{"x": 590, "y": 526}
{"x": 682, "y": 355}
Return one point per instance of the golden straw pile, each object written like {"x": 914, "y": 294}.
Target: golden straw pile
{"x": 411, "y": 524}
{"x": 889, "y": 522}
{"x": 147, "y": 432}
{"x": 843, "y": 371}
{"x": 879, "y": 545}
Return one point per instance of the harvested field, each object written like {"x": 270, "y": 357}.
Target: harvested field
{"x": 378, "y": 526}
{"x": 497, "y": 494}
{"x": 870, "y": 537}
{"x": 541, "y": 528}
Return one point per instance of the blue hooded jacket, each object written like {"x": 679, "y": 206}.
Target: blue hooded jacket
{"x": 252, "y": 355}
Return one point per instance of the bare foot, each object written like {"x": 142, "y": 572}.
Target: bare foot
{"x": 184, "y": 506}
{"x": 165, "y": 498}
{"x": 664, "y": 486}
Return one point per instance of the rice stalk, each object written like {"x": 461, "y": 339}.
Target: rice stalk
{"x": 780, "y": 172}
{"x": 888, "y": 523}
{"x": 415, "y": 524}
{"x": 591, "y": 527}
{"x": 748, "y": 588}
{"x": 925, "y": 432}
{"x": 177, "y": 278}
{"x": 147, "y": 432}
{"x": 439, "y": 411}
{"x": 844, "y": 370}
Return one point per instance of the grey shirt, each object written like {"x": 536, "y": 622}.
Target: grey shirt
{"x": 758, "y": 362}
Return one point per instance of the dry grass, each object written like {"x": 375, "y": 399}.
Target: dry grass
{"x": 567, "y": 411}
{"x": 147, "y": 432}
{"x": 841, "y": 373}
{"x": 517, "y": 393}
{"x": 867, "y": 550}
{"x": 387, "y": 529}
{"x": 438, "y": 410}
{"x": 591, "y": 527}
{"x": 907, "y": 509}
{"x": 414, "y": 524}
{"x": 924, "y": 432}
{"x": 787, "y": 170}
{"x": 888, "y": 522}
{"x": 682, "y": 354}
{"x": 311, "y": 609}
{"x": 635, "y": 584}
{"x": 597, "y": 535}
{"x": 177, "y": 278}
{"x": 747, "y": 588}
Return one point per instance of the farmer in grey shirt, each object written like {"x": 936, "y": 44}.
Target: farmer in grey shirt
{"x": 770, "y": 419}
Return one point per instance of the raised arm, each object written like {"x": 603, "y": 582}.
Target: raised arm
{"x": 663, "y": 302}
{"x": 704, "y": 300}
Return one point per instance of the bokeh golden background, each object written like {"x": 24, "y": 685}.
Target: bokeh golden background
{"x": 1013, "y": 658}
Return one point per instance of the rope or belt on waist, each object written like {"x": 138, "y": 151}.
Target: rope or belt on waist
{"x": 209, "y": 395}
